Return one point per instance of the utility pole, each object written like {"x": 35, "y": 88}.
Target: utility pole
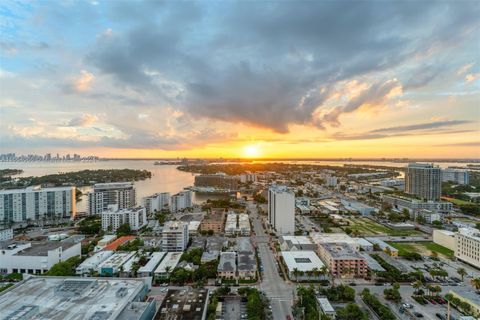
{"x": 448, "y": 310}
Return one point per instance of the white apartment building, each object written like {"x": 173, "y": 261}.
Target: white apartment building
{"x": 248, "y": 177}
{"x": 113, "y": 218}
{"x": 181, "y": 201}
{"x": 467, "y": 246}
{"x": 122, "y": 194}
{"x": 6, "y": 234}
{"x": 35, "y": 257}
{"x": 231, "y": 224}
{"x": 36, "y": 203}
{"x": 413, "y": 205}
{"x": 157, "y": 202}
{"x": 424, "y": 180}
{"x": 175, "y": 236}
{"x": 281, "y": 209}
{"x": 428, "y": 216}
{"x": 459, "y": 176}
{"x": 331, "y": 181}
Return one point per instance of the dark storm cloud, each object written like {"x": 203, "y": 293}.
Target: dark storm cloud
{"x": 273, "y": 64}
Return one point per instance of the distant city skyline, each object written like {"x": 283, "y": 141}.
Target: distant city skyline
{"x": 241, "y": 79}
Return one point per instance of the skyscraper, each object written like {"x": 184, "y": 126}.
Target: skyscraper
{"x": 281, "y": 209}
{"x": 121, "y": 194}
{"x": 424, "y": 180}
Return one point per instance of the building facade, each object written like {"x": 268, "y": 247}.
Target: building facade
{"x": 6, "y": 234}
{"x": 122, "y": 194}
{"x": 459, "y": 176}
{"x": 413, "y": 205}
{"x": 218, "y": 180}
{"x": 424, "y": 180}
{"x": 35, "y": 203}
{"x": 112, "y": 219}
{"x": 281, "y": 209}
{"x": 342, "y": 260}
{"x": 181, "y": 201}
{"x": 467, "y": 246}
{"x": 175, "y": 236}
{"x": 214, "y": 221}
{"x": 157, "y": 202}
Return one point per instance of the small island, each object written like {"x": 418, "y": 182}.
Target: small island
{"x": 80, "y": 178}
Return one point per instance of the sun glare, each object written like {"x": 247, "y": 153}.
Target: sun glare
{"x": 251, "y": 151}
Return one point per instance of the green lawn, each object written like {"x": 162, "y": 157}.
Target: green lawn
{"x": 457, "y": 202}
{"x": 423, "y": 248}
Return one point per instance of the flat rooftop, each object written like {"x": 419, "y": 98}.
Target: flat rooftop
{"x": 302, "y": 260}
{"x": 42, "y": 248}
{"x": 341, "y": 251}
{"x": 61, "y": 298}
{"x": 186, "y": 304}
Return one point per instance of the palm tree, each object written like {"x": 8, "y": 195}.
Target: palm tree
{"x": 461, "y": 272}
{"x": 296, "y": 273}
{"x": 316, "y": 272}
{"x": 476, "y": 283}
{"x": 417, "y": 285}
{"x": 438, "y": 289}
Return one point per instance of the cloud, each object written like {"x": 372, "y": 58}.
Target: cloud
{"x": 84, "y": 81}
{"x": 436, "y": 127}
{"x": 460, "y": 144}
{"x": 276, "y": 65}
{"x": 472, "y": 77}
{"x": 83, "y": 121}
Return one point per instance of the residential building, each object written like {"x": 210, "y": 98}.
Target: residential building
{"x": 6, "y": 234}
{"x": 68, "y": 298}
{"x": 214, "y": 221}
{"x": 113, "y": 218}
{"x": 167, "y": 265}
{"x": 302, "y": 265}
{"x": 243, "y": 228}
{"x": 175, "y": 236}
{"x": 121, "y": 194}
{"x": 342, "y": 260}
{"x": 106, "y": 239}
{"x": 237, "y": 224}
{"x": 193, "y": 227}
{"x": 35, "y": 257}
{"x": 393, "y": 252}
{"x": 412, "y": 205}
{"x": 181, "y": 201}
{"x": 36, "y": 203}
{"x": 184, "y": 304}
{"x": 157, "y": 202}
{"x": 247, "y": 263}
{"x": 467, "y": 246}
{"x": 231, "y": 224}
{"x": 424, "y": 180}
{"x": 218, "y": 180}
{"x": 281, "y": 209}
{"x": 392, "y": 183}
{"x": 248, "y": 177}
{"x": 458, "y": 176}
{"x": 331, "y": 181}
{"x": 227, "y": 267}
{"x": 444, "y": 238}
{"x": 364, "y": 244}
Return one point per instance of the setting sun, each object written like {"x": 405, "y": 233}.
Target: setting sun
{"x": 251, "y": 151}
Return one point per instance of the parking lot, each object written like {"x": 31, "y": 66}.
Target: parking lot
{"x": 234, "y": 309}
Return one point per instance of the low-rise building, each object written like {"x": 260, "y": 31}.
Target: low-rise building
{"x": 6, "y": 234}
{"x": 342, "y": 260}
{"x": 444, "y": 238}
{"x": 302, "y": 265}
{"x": 35, "y": 257}
{"x": 326, "y": 308}
{"x": 227, "y": 267}
{"x": 383, "y": 246}
{"x": 297, "y": 243}
{"x": 247, "y": 263}
{"x": 231, "y": 224}
{"x": 90, "y": 265}
{"x": 467, "y": 246}
{"x": 322, "y": 238}
{"x": 167, "y": 265}
{"x": 102, "y": 243}
{"x": 428, "y": 216}
{"x": 68, "y": 298}
{"x": 359, "y": 207}
{"x": 412, "y": 204}
{"x": 193, "y": 227}
{"x": 152, "y": 264}
{"x": 364, "y": 244}
{"x": 184, "y": 304}
{"x": 214, "y": 222}
{"x": 115, "y": 263}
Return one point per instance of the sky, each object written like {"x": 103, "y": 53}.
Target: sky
{"x": 267, "y": 79}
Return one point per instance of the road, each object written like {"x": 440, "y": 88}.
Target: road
{"x": 277, "y": 290}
